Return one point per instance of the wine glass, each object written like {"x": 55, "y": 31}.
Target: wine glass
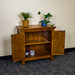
{"x": 39, "y": 36}
{"x": 45, "y": 34}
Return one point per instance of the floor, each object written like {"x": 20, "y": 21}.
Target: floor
{"x": 61, "y": 65}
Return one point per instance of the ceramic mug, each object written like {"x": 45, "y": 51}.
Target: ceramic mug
{"x": 32, "y": 52}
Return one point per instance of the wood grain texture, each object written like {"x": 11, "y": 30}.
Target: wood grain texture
{"x": 29, "y": 58}
{"x": 40, "y": 49}
{"x": 58, "y": 42}
{"x": 18, "y": 47}
{"x": 35, "y": 28}
{"x": 35, "y": 42}
{"x": 29, "y": 40}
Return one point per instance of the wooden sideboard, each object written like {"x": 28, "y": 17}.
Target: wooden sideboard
{"x": 28, "y": 39}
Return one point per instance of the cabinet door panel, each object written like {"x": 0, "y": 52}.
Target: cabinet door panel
{"x": 58, "y": 42}
{"x": 18, "y": 46}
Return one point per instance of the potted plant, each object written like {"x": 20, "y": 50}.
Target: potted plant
{"x": 45, "y": 19}
{"x": 26, "y": 16}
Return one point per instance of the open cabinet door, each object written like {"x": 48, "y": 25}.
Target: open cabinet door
{"x": 18, "y": 46}
{"x": 58, "y": 42}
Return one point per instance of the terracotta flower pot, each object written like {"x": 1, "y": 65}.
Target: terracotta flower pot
{"x": 25, "y": 23}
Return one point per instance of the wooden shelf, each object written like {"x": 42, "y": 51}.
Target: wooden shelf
{"x": 36, "y": 57}
{"x": 39, "y": 55}
{"x": 34, "y": 42}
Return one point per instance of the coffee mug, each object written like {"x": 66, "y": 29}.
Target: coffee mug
{"x": 32, "y": 52}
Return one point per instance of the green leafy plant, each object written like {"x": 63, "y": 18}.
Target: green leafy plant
{"x": 26, "y": 15}
{"x": 52, "y": 25}
{"x": 45, "y": 17}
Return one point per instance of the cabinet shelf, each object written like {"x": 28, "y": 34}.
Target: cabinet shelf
{"x": 35, "y": 42}
{"x": 37, "y": 57}
{"x": 42, "y": 55}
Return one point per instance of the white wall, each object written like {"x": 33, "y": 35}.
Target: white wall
{"x": 63, "y": 12}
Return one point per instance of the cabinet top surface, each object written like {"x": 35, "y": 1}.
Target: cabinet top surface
{"x": 36, "y": 27}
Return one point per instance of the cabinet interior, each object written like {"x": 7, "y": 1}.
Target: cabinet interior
{"x": 42, "y": 47}
{"x": 40, "y": 50}
{"x": 34, "y": 36}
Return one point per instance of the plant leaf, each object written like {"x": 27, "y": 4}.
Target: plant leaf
{"x": 46, "y": 16}
{"x": 39, "y": 13}
{"x": 26, "y": 15}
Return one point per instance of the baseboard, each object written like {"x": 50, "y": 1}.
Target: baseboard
{"x": 8, "y": 56}
{"x": 69, "y": 49}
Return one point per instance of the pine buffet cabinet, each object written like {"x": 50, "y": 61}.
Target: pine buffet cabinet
{"x": 33, "y": 38}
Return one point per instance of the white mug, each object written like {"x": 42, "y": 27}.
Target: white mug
{"x": 32, "y": 52}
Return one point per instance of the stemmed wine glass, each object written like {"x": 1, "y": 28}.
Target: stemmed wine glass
{"x": 45, "y": 34}
{"x": 39, "y": 35}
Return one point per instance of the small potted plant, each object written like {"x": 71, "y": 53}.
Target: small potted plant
{"x": 26, "y": 16}
{"x": 45, "y": 19}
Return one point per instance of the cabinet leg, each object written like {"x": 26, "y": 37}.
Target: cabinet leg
{"x": 23, "y": 62}
{"x": 51, "y": 58}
